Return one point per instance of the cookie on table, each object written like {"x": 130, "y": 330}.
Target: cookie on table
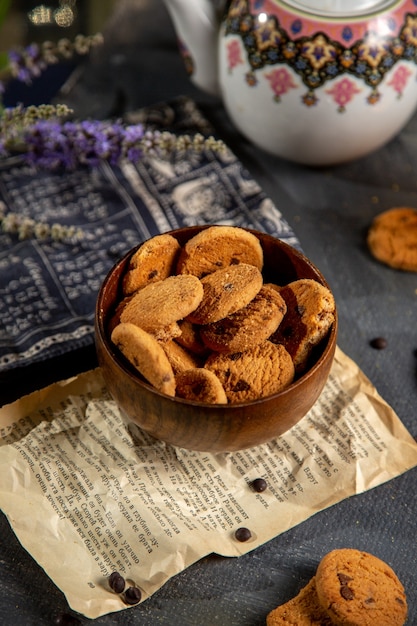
{"x": 302, "y": 610}
{"x": 358, "y": 589}
{"x": 255, "y": 373}
{"x": 217, "y": 247}
{"x": 309, "y": 317}
{"x": 226, "y": 291}
{"x": 392, "y": 238}
{"x": 160, "y": 304}
{"x": 144, "y": 352}
{"x": 200, "y": 385}
{"x": 153, "y": 261}
{"x": 249, "y": 326}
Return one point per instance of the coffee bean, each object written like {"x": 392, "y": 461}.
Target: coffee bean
{"x": 243, "y": 534}
{"x": 116, "y": 582}
{"x": 379, "y": 343}
{"x": 133, "y": 595}
{"x": 259, "y": 485}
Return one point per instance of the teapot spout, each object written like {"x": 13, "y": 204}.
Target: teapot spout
{"x": 196, "y": 23}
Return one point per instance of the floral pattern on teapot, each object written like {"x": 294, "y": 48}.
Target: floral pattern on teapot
{"x": 361, "y": 49}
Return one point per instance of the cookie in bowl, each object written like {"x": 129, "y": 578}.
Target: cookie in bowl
{"x": 224, "y": 321}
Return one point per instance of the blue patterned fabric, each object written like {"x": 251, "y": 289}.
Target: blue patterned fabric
{"x": 48, "y": 289}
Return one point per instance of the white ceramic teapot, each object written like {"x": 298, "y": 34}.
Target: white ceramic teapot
{"x": 313, "y": 81}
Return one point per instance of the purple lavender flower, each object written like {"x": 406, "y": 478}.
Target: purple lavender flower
{"x": 133, "y": 135}
{"x": 53, "y": 145}
{"x": 18, "y": 66}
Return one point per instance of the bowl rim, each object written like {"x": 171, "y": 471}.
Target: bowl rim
{"x": 112, "y": 352}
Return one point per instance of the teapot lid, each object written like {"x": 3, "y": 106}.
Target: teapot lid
{"x": 341, "y": 8}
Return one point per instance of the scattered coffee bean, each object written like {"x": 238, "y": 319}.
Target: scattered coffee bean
{"x": 379, "y": 343}
{"x": 116, "y": 582}
{"x": 132, "y": 595}
{"x": 243, "y": 534}
{"x": 259, "y": 485}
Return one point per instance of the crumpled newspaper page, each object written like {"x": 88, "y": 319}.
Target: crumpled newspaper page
{"x": 88, "y": 493}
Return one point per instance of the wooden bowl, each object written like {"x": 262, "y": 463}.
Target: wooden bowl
{"x": 209, "y": 427}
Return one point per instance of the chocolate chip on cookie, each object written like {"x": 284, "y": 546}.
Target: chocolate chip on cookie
{"x": 255, "y": 373}
{"x": 249, "y": 326}
{"x": 392, "y": 238}
{"x": 309, "y": 317}
{"x": 200, "y": 385}
{"x": 225, "y": 292}
{"x": 356, "y": 589}
{"x": 153, "y": 261}
{"x": 144, "y": 352}
{"x": 350, "y": 588}
{"x": 217, "y": 247}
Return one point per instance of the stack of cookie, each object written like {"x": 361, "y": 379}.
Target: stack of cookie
{"x": 199, "y": 322}
{"x": 350, "y": 588}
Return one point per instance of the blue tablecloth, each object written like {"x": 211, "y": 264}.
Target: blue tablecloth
{"x": 48, "y": 288}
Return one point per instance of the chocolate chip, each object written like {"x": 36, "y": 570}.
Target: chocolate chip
{"x": 243, "y": 534}
{"x": 132, "y": 595}
{"x": 116, "y": 582}
{"x": 344, "y": 579}
{"x": 379, "y": 343}
{"x": 346, "y": 592}
{"x": 259, "y": 485}
{"x": 369, "y": 601}
{"x": 241, "y": 385}
{"x": 400, "y": 601}
{"x": 152, "y": 274}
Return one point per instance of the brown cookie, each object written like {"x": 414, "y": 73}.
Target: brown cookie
{"x": 180, "y": 359}
{"x": 217, "y": 247}
{"x": 392, "y": 238}
{"x": 249, "y": 326}
{"x": 190, "y": 338}
{"x": 302, "y": 610}
{"x": 358, "y": 589}
{"x": 226, "y": 291}
{"x": 167, "y": 333}
{"x": 144, "y": 352}
{"x": 309, "y": 317}
{"x": 258, "y": 372}
{"x": 160, "y": 304}
{"x": 153, "y": 261}
{"x": 200, "y": 385}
